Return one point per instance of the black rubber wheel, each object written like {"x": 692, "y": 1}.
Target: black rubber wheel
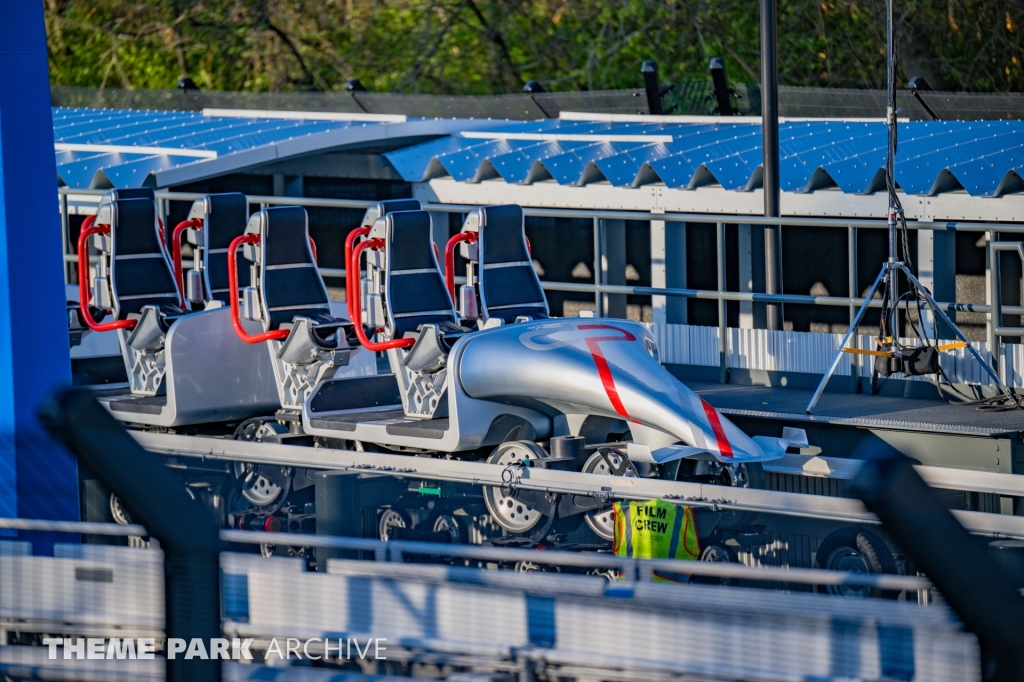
{"x": 734, "y": 520}
{"x": 720, "y": 553}
{"x": 857, "y": 550}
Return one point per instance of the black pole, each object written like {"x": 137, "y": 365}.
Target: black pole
{"x": 649, "y": 70}
{"x": 187, "y": 532}
{"x": 721, "y": 84}
{"x": 917, "y": 85}
{"x": 983, "y": 595}
{"x": 770, "y": 162}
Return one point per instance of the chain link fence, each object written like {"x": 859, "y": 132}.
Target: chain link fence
{"x": 692, "y": 98}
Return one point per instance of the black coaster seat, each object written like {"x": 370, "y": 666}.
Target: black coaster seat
{"x": 415, "y": 296}
{"x": 224, "y": 217}
{"x": 292, "y": 292}
{"x": 508, "y": 285}
{"x": 141, "y": 278}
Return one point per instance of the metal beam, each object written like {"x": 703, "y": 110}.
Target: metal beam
{"x": 770, "y": 160}
{"x": 546, "y": 480}
{"x": 1009, "y": 485}
{"x": 600, "y": 196}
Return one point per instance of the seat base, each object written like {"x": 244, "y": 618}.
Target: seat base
{"x": 154, "y": 404}
{"x": 394, "y": 421}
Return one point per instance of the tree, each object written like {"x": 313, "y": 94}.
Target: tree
{"x": 494, "y": 46}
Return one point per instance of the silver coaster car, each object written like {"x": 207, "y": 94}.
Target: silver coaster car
{"x": 184, "y": 363}
{"x": 502, "y": 379}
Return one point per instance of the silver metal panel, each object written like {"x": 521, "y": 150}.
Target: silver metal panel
{"x": 213, "y": 375}
{"x": 598, "y": 366}
{"x": 47, "y": 590}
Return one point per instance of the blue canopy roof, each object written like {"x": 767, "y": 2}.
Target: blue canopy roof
{"x": 104, "y": 148}
{"x": 985, "y": 158}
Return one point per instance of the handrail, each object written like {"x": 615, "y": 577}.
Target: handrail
{"x": 352, "y": 277}
{"x": 600, "y": 288}
{"x": 357, "y": 321}
{"x": 609, "y": 214}
{"x": 83, "y": 527}
{"x": 236, "y": 321}
{"x": 179, "y": 275}
{"x": 88, "y": 230}
{"x": 449, "y": 258}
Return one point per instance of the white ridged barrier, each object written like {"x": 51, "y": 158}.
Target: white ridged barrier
{"x": 812, "y": 352}
{"x": 572, "y": 626}
{"x": 577, "y": 626}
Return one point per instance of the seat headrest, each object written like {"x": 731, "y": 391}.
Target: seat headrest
{"x": 382, "y": 208}
{"x": 133, "y": 226}
{"x": 284, "y": 236}
{"x": 224, "y": 218}
{"x": 502, "y": 228}
{"x": 408, "y": 241}
{"x": 128, "y": 193}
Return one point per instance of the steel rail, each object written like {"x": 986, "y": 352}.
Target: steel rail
{"x": 600, "y": 487}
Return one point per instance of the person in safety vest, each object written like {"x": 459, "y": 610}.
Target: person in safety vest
{"x": 655, "y": 529}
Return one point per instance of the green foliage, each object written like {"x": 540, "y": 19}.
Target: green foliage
{"x": 494, "y": 46}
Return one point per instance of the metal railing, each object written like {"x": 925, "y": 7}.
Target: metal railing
{"x": 641, "y": 570}
{"x": 399, "y": 550}
{"x": 722, "y": 295}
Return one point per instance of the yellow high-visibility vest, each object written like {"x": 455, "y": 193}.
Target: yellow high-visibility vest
{"x": 655, "y": 529}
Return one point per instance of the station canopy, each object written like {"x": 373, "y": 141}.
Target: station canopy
{"x": 104, "y": 148}
{"x": 983, "y": 158}
{"x": 108, "y": 148}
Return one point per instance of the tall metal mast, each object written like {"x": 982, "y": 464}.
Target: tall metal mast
{"x": 888, "y": 278}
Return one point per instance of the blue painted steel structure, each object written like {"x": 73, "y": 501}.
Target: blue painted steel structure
{"x": 985, "y": 158}
{"x": 37, "y": 478}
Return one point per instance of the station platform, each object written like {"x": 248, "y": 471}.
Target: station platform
{"x": 854, "y": 409}
{"x": 932, "y": 431}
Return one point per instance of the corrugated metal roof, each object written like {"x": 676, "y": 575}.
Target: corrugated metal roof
{"x": 985, "y": 158}
{"x": 102, "y": 148}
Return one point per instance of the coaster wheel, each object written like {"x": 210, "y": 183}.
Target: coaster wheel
{"x": 390, "y": 519}
{"x": 448, "y": 523}
{"x": 503, "y": 504}
{"x": 256, "y": 483}
{"x": 720, "y": 553}
{"x": 607, "y": 462}
{"x": 744, "y": 475}
{"x": 856, "y": 550}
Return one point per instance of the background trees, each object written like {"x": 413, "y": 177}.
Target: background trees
{"x": 494, "y": 46}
